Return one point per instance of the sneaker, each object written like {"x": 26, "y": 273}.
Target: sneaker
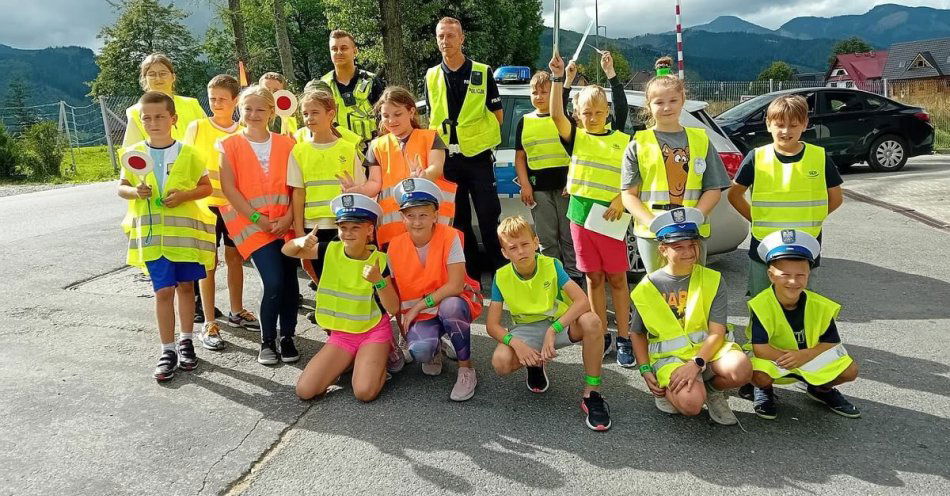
{"x": 598, "y": 413}
{"x": 268, "y": 354}
{"x": 395, "y": 361}
{"x": 625, "y": 356}
{"x": 717, "y": 404}
{"x": 199, "y": 315}
{"x": 834, "y": 400}
{"x": 167, "y": 364}
{"x": 288, "y": 350}
{"x": 747, "y": 392}
{"x": 537, "y": 379}
{"x": 187, "y": 359}
{"x": 464, "y": 385}
{"x": 448, "y": 348}
{"x": 606, "y": 344}
{"x": 763, "y": 403}
{"x": 210, "y": 336}
{"x": 664, "y": 405}
{"x": 244, "y": 319}
{"x": 434, "y": 366}
{"x": 403, "y": 347}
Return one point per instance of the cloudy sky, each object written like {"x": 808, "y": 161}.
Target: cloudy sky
{"x": 43, "y": 23}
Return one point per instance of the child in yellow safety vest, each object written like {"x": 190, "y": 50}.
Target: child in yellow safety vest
{"x": 678, "y": 326}
{"x": 223, "y": 91}
{"x": 355, "y": 298}
{"x": 594, "y": 179}
{"x": 304, "y": 133}
{"x": 322, "y": 168}
{"x": 792, "y": 331}
{"x": 795, "y": 185}
{"x": 171, "y": 236}
{"x": 157, "y": 73}
{"x": 549, "y": 311}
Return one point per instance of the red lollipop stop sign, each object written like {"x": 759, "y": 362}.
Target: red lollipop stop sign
{"x": 286, "y": 103}
{"x": 140, "y": 163}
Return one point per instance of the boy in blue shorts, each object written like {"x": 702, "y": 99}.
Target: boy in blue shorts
{"x": 171, "y": 236}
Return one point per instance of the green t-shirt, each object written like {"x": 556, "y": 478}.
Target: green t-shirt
{"x": 578, "y": 208}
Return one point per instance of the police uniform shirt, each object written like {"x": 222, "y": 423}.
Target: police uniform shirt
{"x": 746, "y": 177}
{"x": 457, "y": 87}
{"x": 346, "y": 90}
{"x": 796, "y": 320}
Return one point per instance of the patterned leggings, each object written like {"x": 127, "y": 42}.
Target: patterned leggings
{"x": 454, "y": 319}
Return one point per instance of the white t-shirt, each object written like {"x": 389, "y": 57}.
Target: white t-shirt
{"x": 456, "y": 253}
{"x": 261, "y": 150}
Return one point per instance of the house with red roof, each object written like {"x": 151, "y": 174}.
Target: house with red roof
{"x": 857, "y": 70}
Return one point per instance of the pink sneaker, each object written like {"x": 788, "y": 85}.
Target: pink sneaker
{"x": 465, "y": 384}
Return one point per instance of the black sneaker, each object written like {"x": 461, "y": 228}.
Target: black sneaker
{"x": 188, "y": 360}
{"x": 268, "y": 354}
{"x": 606, "y": 344}
{"x": 598, "y": 413}
{"x": 288, "y": 350}
{"x": 167, "y": 364}
{"x": 763, "y": 403}
{"x": 834, "y": 400}
{"x": 746, "y": 392}
{"x": 537, "y": 379}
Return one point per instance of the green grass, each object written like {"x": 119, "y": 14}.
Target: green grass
{"x": 92, "y": 164}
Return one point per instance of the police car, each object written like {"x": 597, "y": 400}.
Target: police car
{"x": 729, "y": 229}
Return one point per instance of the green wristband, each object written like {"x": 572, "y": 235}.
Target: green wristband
{"x": 646, "y": 369}
{"x": 430, "y": 302}
{"x": 380, "y": 284}
{"x": 507, "y": 339}
{"x": 592, "y": 380}
{"x": 557, "y": 326}
{"x": 256, "y": 215}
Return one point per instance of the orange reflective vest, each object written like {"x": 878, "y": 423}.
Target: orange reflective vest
{"x": 414, "y": 280}
{"x": 267, "y": 193}
{"x": 391, "y": 156}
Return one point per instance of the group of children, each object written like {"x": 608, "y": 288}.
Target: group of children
{"x": 372, "y": 230}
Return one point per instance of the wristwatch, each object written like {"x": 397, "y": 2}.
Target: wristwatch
{"x": 557, "y": 79}
{"x": 700, "y": 363}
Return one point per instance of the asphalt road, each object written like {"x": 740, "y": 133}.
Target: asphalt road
{"x": 82, "y": 414}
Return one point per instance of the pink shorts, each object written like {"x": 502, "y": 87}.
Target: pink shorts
{"x": 598, "y": 253}
{"x": 352, "y": 341}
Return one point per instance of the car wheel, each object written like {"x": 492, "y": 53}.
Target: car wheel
{"x": 888, "y": 154}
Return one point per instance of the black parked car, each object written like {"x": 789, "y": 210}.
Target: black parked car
{"x": 852, "y": 125}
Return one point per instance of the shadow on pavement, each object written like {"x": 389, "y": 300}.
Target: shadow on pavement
{"x": 902, "y": 372}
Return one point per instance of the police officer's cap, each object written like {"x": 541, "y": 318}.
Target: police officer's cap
{"x": 678, "y": 224}
{"x": 417, "y": 191}
{"x": 789, "y": 243}
{"x": 354, "y": 207}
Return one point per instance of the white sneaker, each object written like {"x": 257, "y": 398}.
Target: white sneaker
{"x": 434, "y": 366}
{"x": 464, "y": 385}
{"x": 448, "y": 348}
{"x": 718, "y": 406}
{"x": 664, "y": 405}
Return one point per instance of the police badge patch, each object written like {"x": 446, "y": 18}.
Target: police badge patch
{"x": 348, "y": 201}
{"x": 476, "y": 78}
{"x": 788, "y": 236}
{"x": 679, "y": 215}
{"x": 409, "y": 185}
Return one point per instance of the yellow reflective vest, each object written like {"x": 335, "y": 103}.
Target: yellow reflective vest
{"x": 541, "y": 143}
{"x": 205, "y": 137}
{"x": 304, "y": 135}
{"x": 345, "y": 301}
{"x": 673, "y": 341}
{"x": 360, "y": 116}
{"x": 819, "y": 311}
{"x": 535, "y": 299}
{"x": 188, "y": 110}
{"x": 789, "y": 196}
{"x": 185, "y": 233}
{"x": 595, "y": 165}
{"x": 655, "y": 188}
{"x": 320, "y": 168}
{"x": 477, "y": 128}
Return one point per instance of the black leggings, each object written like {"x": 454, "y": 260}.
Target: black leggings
{"x": 278, "y": 274}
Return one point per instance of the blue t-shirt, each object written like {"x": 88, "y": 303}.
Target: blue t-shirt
{"x": 562, "y": 279}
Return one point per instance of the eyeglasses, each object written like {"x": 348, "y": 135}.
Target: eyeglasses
{"x": 157, "y": 75}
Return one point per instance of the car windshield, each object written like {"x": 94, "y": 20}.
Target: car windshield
{"x": 745, "y": 108}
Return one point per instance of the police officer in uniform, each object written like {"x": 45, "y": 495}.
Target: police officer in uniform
{"x": 354, "y": 89}
{"x": 465, "y": 107}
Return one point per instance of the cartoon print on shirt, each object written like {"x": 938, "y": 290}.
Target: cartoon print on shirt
{"x": 677, "y": 168}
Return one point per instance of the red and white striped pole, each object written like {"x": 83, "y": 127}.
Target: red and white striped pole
{"x": 679, "y": 40}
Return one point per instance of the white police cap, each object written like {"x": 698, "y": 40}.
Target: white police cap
{"x": 417, "y": 191}
{"x": 354, "y": 207}
{"x": 789, "y": 243}
{"x": 677, "y": 224}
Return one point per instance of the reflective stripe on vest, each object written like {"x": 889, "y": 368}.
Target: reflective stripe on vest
{"x": 541, "y": 143}
{"x": 534, "y": 299}
{"x": 658, "y": 172}
{"x": 789, "y": 196}
{"x": 595, "y": 165}
{"x": 359, "y": 117}
{"x": 675, "y": 344}
{"x": 320, "y": 167}
{"x": 477, "y": 128}
{"x": 345, "y": 301}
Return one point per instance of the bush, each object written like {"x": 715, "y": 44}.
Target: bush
{"x": 9, "y": 155}
{"x": 44, "y": 147}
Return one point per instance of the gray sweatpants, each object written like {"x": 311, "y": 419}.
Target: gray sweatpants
{"x": 553, "y": 228}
